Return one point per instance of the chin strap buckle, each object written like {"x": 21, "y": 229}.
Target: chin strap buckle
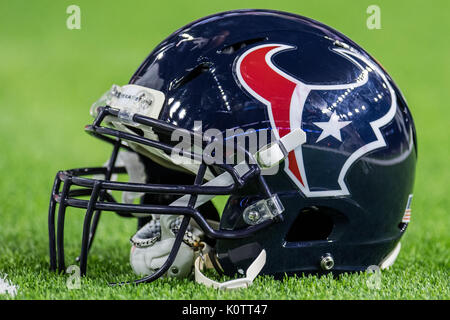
{"x": 252, "y": 272}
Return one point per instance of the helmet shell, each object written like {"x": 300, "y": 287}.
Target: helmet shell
{"x": 197, "y": 69}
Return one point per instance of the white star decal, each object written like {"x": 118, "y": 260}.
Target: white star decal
{"x": 331, "y": 127}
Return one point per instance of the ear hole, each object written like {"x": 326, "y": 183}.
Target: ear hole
{"x": 314, "y": 223}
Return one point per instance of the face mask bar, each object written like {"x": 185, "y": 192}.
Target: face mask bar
{"x": 101, "y": 200}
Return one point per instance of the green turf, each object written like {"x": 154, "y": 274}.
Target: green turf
{"x": 49, "y": 76}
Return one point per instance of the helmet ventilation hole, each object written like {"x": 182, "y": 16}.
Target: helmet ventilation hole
{"x": 191, "y": 75}
{"x": 240, "y": 45}
{"x": 311, "y": 224}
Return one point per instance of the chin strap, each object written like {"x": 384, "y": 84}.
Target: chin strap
{"x": 252, "y": 272}
{"x": 391, "y": 257}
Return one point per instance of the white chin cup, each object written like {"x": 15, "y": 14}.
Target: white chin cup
{"x": 145, "y": 261}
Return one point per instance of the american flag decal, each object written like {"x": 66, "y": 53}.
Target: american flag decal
{"x": 407, "y": 215}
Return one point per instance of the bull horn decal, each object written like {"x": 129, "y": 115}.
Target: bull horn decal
{"x": 267, "y": 83}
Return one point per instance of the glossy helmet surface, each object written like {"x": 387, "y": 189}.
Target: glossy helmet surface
{"x": 344, "y": 192}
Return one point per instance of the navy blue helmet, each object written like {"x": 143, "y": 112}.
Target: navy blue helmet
{"x": 326, "y": 187}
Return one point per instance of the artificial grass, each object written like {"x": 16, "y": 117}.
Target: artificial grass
{"x": 50, "y": 75}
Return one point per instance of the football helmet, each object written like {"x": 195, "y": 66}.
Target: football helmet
{"x": 326, "y": 185}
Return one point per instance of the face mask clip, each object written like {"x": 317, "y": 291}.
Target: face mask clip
{"x": 263, "y": 210}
